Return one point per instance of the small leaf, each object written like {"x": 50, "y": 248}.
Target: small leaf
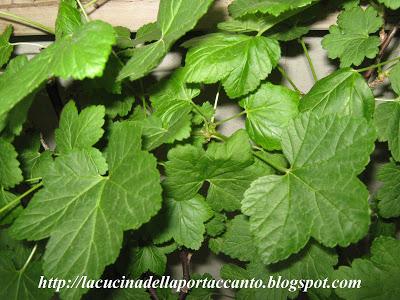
{"x": 268, "y": 112}
{"x": 387, "y": 121}
{"x": 10, "y": 173}
{"x": 389, "y": 193}
{"x": 79, "y": 131}
{"x": 183, "y": 221}
{"x": 394, "y": 77}
{"x": 237, "y": 242}
{"x": 148, "y": 258}
{"x": 216, "y": 225}
{"x": 68, "y": 18}
{"x": 344, "y": 92}
{"x": 378, "y": 275}
{"x": 5, "y": 47}
{"x": 274, "y": 7}
{"x": 123, "y": 36}
{"x": 392, "y": 4}
{"x": 350, "y": 40}
{"x": 240, "y": 62}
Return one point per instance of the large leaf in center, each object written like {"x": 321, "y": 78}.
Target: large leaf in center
{"x": 320, "y": 195}
{"x": 85, "y": 213}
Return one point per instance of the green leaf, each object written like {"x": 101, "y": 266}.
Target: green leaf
{"x": 227, "y": 167}
{"x": 171, "y": 120}
{"x": 68, "y": 18}
{"x": 201, "y": 293}
{"x": 183, "y": 221}
{"x": 268, "y": 112}
{"x": 237, "y": 241}
{"x": 344, "y": 92}
{"x": 129, "y": 294}
{"x": 350, "y": 39}
{"x": 313, "y": 262}
{"x": 394, "y": 77}
{"x": 274, "y": 7}
{"x": 148, "y": 258}
{"x": 14, "y": 121}
{"x": 392, "y": 4}
{"x": 80, "y": 55}
{"x": 123, "y": 36}
{"x": 79, "y": 131}
{"x": 389, "y": 193}
{"x": 320, "y": 195}
{"x": 387, "y": 121}
{"x": 240, "y": 62}
{"x": 378, "y": 275}
{"x": 9, "y": 216}
{"x": 85, "y": 214}
{"x": 172, "y": 23}
{"x": 216, "y": 225}
{"x": 10, "y": 173}
{"x": 284, "y": 34}
{"x": 5, "y": 47}
{"x": 19, "y": 282}
{"x": 147, "y": 33}
{"x": 34, "y": 163}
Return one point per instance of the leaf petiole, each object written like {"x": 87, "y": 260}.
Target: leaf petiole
{"x": 378, "y": 65}
{"x": 17, "y": 200}
{"x": 303, "y": 45}
{"x": 25, "y": 21}
{"x": 29, "y": 259}
{"x": 231, "y": 118}
{"x": 286, "y": 76}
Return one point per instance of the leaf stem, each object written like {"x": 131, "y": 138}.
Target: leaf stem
{"x": 216, "y": 103}
{"x": 29, "y": 259}
{"x": 25, "y": 21}
{"x": 309, "y": 59}
{"x": 270, "y": 162}
{"x": 16, "y": 201}
{"x": 89, "y": 4}
{"x": 286, "y": 76}
{"x": 185, "y": 257}
{"x": 231, "y": 118}
{"x": 378, "y": 65}
{"x": 83, "y": 10}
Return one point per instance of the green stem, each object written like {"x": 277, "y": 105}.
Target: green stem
{"x": 231, "y": 118}
{"x": 270, "y": 162}
{"x": 17, "y": 200}
{"x": 25, "y": 21}
{"x": 83, "y": 10}
{"x": 89, "y": 4}
{"x": 286, "y": 76}
{"x": 29, "y": 259}
{"x": 309, "y": 59}
{"x": 378, "y": 65}
{"x": 33, "y": 179}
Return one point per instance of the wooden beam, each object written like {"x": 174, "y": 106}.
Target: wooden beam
{"x": 129, "y": 13}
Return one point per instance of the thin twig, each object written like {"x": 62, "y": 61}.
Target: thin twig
{"x": 386, "y": 42}
{"x": 185, "y": 257}
{"x": 28, "y": 44}
{"x": 25, "y": 21}
{"x": 153, "y": 293}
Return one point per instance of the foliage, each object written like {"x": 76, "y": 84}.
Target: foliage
{"x": 140, "y": 171}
